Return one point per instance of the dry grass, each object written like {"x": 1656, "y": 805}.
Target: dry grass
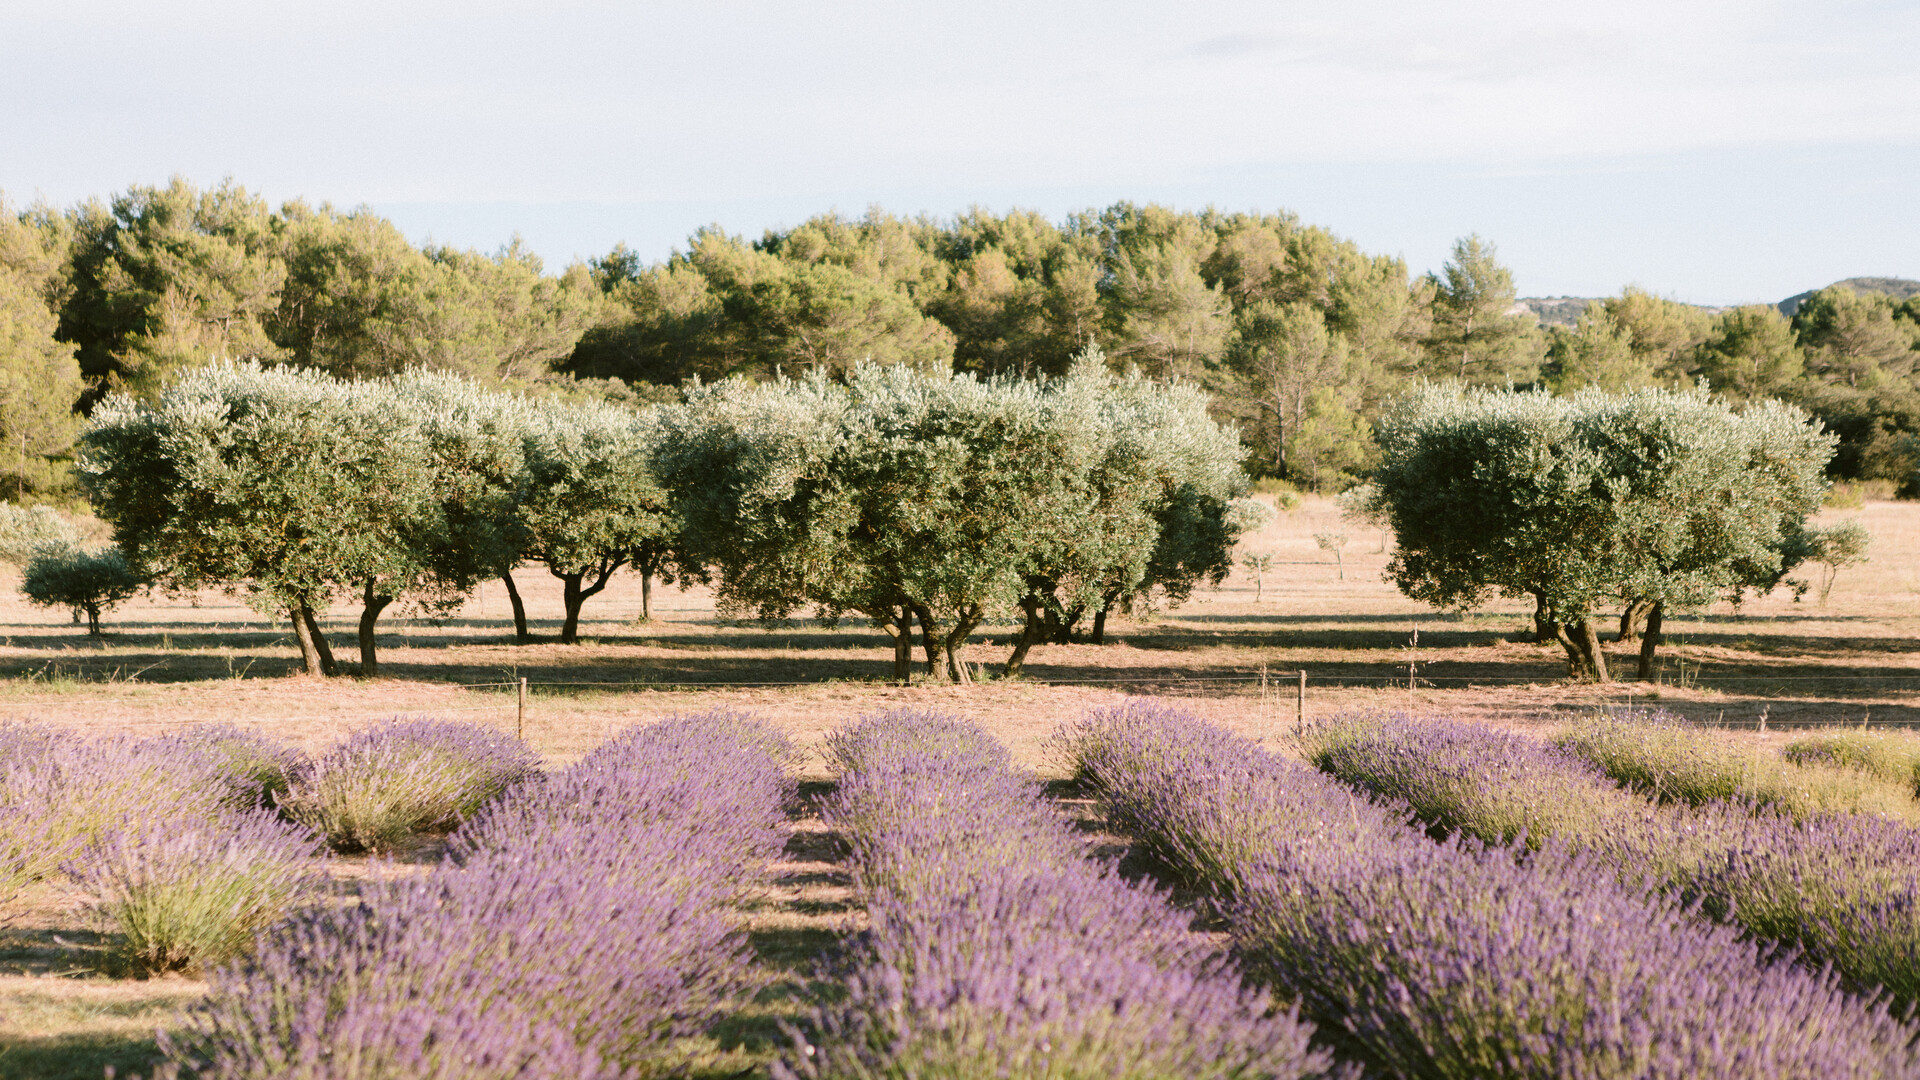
{"x": 167, "y": 662}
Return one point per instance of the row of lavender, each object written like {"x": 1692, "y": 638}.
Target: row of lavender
{"x": 193, "y": 842}
{"x": 998, "y": 948}
{"x": 1843, "y": 888}
{"x": 1455, "y": 958}
{"x": 582, "y": 926}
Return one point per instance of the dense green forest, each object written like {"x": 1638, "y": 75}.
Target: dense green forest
{"x": 1299, "y": 335}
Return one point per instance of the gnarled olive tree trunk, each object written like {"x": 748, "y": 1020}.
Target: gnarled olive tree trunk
{"x": 1650, "y": 639}
{"x": 576, "y": 592}
{"x": 372, "y": 605}
{"x": 1585, "y": 661}
{"x": 1633, "y": 618}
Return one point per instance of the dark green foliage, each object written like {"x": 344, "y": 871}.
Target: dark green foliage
{"x": 72, "y": 577}
{"x": 1667, "y": 497}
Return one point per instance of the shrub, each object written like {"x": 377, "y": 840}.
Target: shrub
{"x": 402, "y": 777}
{"x": 1669, "y": 759}
{"x": 192, "y": 894}
{"x": 1842, "y": 887}
{"x": 1453, "y": 959}
{"x": 1892, "y": 757}
{"x": 71, "y": 577}
{"x": 997, "y": 949}
{"x": 916, "y": 733}
{"x": 567, "y": 939}
{"x": 1042, "y": 974}
{"x": 254, "y": 767}
{"x": 60, "y": 792}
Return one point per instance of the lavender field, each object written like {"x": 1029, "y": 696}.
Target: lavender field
{"x": 1382, "y": 896}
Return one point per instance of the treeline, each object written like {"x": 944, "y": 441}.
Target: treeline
{"x": 1299, "y": 335}
{"x": 920, "y": 501}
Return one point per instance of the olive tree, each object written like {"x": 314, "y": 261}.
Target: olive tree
{"x": 72, "y": 577}
{"x": 1671, "y": 498}
{"x": 286, "y": 487}
{"x": 1158, "y": 482}
{"x": 592, "y": 504}
{"x": 904, "y": 496}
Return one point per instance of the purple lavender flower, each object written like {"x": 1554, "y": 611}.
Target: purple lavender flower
{"x": 584, "y": 926}
{"x": 1451, "y": 959}
{"x": 998, "y": 949}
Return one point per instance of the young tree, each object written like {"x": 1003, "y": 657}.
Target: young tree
{"x": 72, "y": 577}
{"x": 1476, "y": 336}
{"x": 1665, "y": 496}
{"x": 283, "y": 486}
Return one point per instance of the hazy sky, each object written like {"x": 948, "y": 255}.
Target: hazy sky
{"x": 1713, "y": 151}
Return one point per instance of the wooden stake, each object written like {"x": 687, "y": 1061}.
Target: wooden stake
{"x": 1300, "y": 706}
{"x": 520, "y": 712}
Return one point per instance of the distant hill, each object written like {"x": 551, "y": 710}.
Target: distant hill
{"x": 1566, "y": 310}
{"x": 1554, "y": 310}
{"x": 1892, "y": 286}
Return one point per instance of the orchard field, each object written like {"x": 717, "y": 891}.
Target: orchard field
{"x": 68, "y": 1009}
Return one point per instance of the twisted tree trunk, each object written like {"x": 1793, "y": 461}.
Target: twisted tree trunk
{"x": 1585, "y": 661}
{"x": 373, "y": 605}
{"x": 1650, "y": 639}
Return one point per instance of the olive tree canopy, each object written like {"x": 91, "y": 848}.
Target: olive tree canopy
{"x": 1666, "y": 497}
{"x": 283, "y": 486}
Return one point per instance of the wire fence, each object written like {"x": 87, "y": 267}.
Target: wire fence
{"x": 1282, "y": 691}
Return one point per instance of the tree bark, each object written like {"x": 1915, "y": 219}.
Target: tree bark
{"x": 956, "y": 642}
{"x": 1099, "y": 635}
{"x": 1632, "y": 618}
{"x": 1545, "y": 626}
{"x": 899, "y": 626}
{"x": 1650, "y": 640}
{"x": 1033, "y": 630}
{"x": 1585, "y": 660}
{"x": 520, "y": 635}
{"x": 576, "y": 592}
{"x": 929, "y": 638}
{"x": 314, "y": 650}
{"x": 309, "y": 656}
{"x": 93, "y": 620}
{"x": 373, "y": 605}
{"x": 646, "y": 596}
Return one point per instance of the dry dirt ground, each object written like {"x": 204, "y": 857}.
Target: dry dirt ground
{"x": 170, "y": 661}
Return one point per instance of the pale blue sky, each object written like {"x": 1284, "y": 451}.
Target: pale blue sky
{"x": 1714, "y": 151}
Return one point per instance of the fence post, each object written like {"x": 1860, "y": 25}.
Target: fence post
{"x": 520, "y": 711}
{"x": 1300, "y": 706}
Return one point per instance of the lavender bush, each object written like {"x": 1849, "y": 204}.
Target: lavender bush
{"x": 1890, "y": 756}
{"x": 1671, "y": 760}
{"x": 1842, "y": 887}
{"x": 998, "y": 949}
{"x": 61, "y": 792}
{"x": 255, "y": 768}
{"x": 1452, "y": 959}
{"x": 1038, "y": 974}
{"x": 187, "y": 893}
{"x": 402, "y": 777}
{"x": 584, "y": 927}
{"x": 918, "y": 733}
